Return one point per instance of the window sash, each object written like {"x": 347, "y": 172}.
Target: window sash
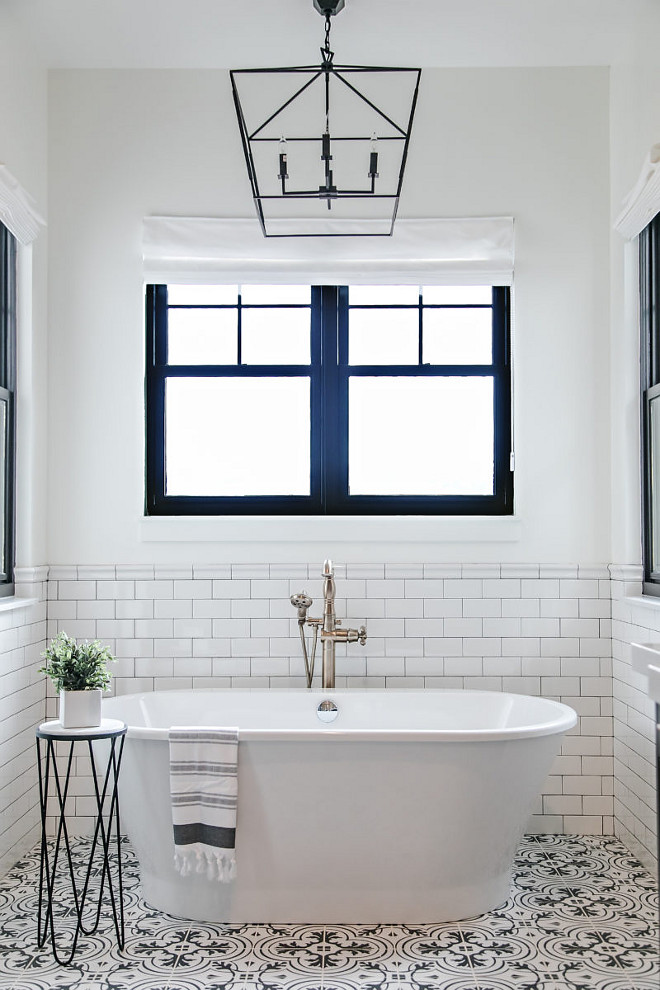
{"x": 649, "y": 259}
{"x": 8, "y": 280}
{"x": 330, "y": 374}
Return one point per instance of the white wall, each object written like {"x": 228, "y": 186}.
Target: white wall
{"x": 635, "y": 126}
{"x": 23, "y": 149}
{"x": 532, "y": 143}
{"x": 23, "y": 133}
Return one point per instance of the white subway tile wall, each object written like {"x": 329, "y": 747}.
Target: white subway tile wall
{"x": 634, "y": 619}
{"x": 533, "y": 628}
{"x": 528, "y": 628}
{"x": 22, "y": 708}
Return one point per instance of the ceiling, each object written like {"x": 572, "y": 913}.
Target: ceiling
{"x": 227, "y": 33}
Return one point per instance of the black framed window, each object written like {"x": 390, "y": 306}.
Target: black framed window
{"x": 649, "y": 272}
{"x": 7, "y": 406}
{"x": 328, "y": 400}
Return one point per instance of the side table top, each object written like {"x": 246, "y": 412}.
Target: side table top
{"x": 53, "y": 729}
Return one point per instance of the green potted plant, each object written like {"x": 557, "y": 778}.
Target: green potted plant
{"x": 80, "y": 673}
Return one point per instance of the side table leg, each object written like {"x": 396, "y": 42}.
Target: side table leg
{"x": 43, "y": 864}
{"x": 48, "y": 868}
{"x": 101, "y": 793}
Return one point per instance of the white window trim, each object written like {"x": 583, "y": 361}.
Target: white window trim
{"x": 349, "y": 529}
{"x": 19, "y": 214}
{"x": 17, "y": 208}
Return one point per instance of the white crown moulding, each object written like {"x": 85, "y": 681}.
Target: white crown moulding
{"x": 18, "y": 210}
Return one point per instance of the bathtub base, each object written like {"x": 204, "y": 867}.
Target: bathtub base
{"x": 198, "y": 900}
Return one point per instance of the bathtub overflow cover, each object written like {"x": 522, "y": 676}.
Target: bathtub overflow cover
{"x": 327, "y": 711}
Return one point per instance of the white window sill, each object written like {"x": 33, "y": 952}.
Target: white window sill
{"x": 11, "y": 603}
{"x": 648, "y": 601}
{"x": 299, "y": 529}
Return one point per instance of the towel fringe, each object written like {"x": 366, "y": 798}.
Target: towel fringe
{"x": 217, "y": 865}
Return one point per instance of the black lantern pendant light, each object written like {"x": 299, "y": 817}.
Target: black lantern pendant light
{"x": 326, "y": 145}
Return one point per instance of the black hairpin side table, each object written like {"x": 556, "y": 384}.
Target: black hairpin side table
{"x": 108, "y": 740}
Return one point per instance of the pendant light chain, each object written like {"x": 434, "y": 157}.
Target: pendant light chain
{"x": 328, "y": 25}
{"x": 327, "y": 59}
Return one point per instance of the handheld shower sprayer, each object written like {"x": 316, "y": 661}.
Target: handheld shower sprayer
{"x": 302, "y": 602}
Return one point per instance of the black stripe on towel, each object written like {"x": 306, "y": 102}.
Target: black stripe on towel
{"x": 187, "y": 766}
{"x": 190, "y": 798}
{"x": 211, "y": 835}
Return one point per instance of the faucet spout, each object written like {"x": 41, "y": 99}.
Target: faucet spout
{"x": 329, "y": 588}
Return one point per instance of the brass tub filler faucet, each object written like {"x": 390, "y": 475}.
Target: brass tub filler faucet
{"x": 328, "y": 625}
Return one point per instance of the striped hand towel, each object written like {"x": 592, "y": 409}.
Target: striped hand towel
{"x": 203, "y": 786}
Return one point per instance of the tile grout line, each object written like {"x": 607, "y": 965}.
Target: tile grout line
{"x": 167, "y": 983}
{"x": 244, "y": 980}
{"x": 477, "y": 984}
{"x": 325, "y": 929}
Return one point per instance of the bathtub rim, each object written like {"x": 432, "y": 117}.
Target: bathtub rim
{"x": 565, "y": 718}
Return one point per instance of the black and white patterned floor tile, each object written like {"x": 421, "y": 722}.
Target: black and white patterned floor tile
{"x": 582, "y": 915}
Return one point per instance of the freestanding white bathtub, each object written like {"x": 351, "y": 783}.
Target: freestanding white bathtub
{"x": 407, "y": 808}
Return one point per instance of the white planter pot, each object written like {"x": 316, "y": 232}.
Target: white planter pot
{"x": 80, "y": 709}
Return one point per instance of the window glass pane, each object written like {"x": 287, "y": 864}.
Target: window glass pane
{"x": 654, "y": 468}
{"x": 202, "y": 295}
{"x": 421, "y": 436}
{"x": 383, "y": 336}
{"x": 457, "y": 295}
{"x": 383, "y": 295}
{"x": 273, "y": 295}
{"x": 3, "y": 475}
{"x": 275, "y": 336}
{"x": 457, "y": 336}
{"x": 202, "y": 336}
{"x": 237, "y": 436}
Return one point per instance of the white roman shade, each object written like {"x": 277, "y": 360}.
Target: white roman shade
{"x": 17, "y": 209}
{"x": 471, "y": 251}
{"x": 643, "y": 201}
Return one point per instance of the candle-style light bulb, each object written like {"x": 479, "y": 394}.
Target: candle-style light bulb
{"x": 373, "y": 157}
{"x": 283, "y": 174}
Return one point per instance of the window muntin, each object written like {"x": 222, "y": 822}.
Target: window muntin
{"x": 330, "y": 442}
{"x": 7, "y": 405}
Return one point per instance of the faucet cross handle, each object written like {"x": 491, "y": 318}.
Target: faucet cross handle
{"x": 350, "y": 635}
